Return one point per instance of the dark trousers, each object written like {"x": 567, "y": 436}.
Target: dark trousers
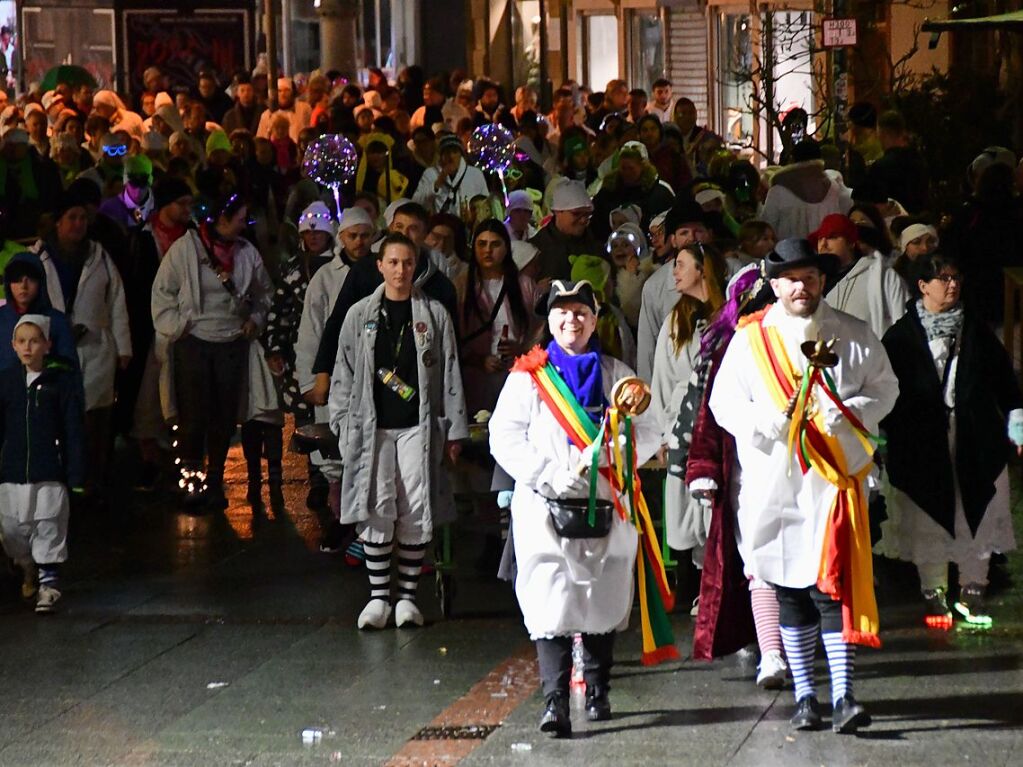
{"x": 98, "y": 444}
{"x": 263, "y": 439}
{"x": 807, "y": 607}
{"x": 208, "y": 381}
{"x": 555, "y": 656}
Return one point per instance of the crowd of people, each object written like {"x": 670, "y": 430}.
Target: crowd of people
{"x": 172, "y": 274}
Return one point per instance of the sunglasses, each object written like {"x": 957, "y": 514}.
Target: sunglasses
{"x": 119, "y": 150}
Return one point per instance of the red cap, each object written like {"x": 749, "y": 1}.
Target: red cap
{"x": 835, "y": 225}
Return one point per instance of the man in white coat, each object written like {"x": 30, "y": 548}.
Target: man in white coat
{"x": 861, "y": 285}
{"x": 397, "y": 407}
{"x": 783, "y": 513}
{"x": 683, "y": 225}
{"x": 451, "y": 184}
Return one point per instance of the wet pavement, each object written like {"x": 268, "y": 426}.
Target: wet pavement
{"x": 228, "y": 639}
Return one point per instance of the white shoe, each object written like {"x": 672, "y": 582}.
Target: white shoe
{"x": 375, "y": 614}
{"x": 406, "y": 612}
{"x": 772, "y": 672}
{"x": 695, "y": 609}
{"x": 47, "y": 598}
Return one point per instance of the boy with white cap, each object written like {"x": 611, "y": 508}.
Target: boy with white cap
{"x": 42, "y": 454}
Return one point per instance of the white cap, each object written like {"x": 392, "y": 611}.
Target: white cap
{"x": 570, "y": 195}
{"x": 915, "y": 231}
{"x": 990, "y": 156}
{"x": 49, "y": 98}
{"x": 41, "y": 321}
{"x": 391, "y": 209}
{"x": 709, "y": 194}
{"x": 355, "y": 216}
{"x": 316, "y": 218}
{"x": 523, "y": 253}
{"x": 520, "y": 200}
{"x": 162, "y": 99}
{"x": 636, "y": 146}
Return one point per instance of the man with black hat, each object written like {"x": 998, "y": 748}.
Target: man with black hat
{"x": 802, "y": 388}
{"x": 451, "y": 184}
{"x": 685, "y": 224}
{"x": 137, "y": 412}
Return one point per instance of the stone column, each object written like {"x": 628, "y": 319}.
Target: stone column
{"x": 339, "y": 40}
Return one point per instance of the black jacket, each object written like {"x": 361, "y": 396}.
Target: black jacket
{"x": 918, "y": 459}
{"x": 42, "y": 426}
{"x": 361, "y": 281}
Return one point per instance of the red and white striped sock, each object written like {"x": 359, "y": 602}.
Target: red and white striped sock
{"x": 765, "y": 618}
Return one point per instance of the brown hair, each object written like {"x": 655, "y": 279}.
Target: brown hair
{"x": 689, "y": 310}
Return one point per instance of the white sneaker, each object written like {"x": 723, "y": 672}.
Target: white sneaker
{"x": 47, "y": 598}
{"x": 695, "y": 609}
{"x": 406, "y": 612}
{"x": 772, "y": 671}
{"x": 375, "y": 614}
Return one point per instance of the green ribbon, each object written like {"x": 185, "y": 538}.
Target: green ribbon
{"x": 591, "y": 518}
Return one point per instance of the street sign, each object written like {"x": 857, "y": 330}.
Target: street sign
{"x": 839, "y": 33}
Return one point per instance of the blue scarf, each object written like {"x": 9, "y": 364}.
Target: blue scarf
{"x": 581, "y": 373}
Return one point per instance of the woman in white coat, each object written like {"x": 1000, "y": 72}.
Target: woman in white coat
{"x": 210, "y": 300}
{"x": 700, "y": 277}
{"x": 566, "y": 586}
{"x": 83, "y": 282}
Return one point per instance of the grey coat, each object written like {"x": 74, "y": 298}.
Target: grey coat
{"x": 353, "y": 414}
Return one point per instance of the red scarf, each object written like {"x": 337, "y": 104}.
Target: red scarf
{"x": 165, "y": 235}
{"x": 222, "y": 250}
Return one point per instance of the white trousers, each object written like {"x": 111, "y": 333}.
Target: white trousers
{"x": 33, "y": 521}
{"x": 399, "y": 495}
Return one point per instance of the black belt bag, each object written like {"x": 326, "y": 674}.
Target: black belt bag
{"x": 571, "y": 517}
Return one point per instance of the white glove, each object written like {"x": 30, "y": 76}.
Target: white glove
{"x": 1016, "y": 427}
{"x": 567, "y": 484}
{"x": 586, "y": 456}
{"x": 773, "y": 425}
{"x": 703, "y": 490}
{"x": 832, "y": 418}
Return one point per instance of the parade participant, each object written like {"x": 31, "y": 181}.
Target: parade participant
{"x": 409, "y": 219}
{"x": 802, "y": 497}
{"x": 700, "y": 283}
{"x": 861, "y": 285}
{"x": 355, "y": 231}
{"x": 134, "y": 204}
{"x": 916, "y": 240}
{"x": 210, "y": 300}
{"x": 567, "y": 233}
{"x": 566, "y": 585}
{"x": 84, "y": 283}
{"x": 947, "y": 447}
{"x": 496, "y": 318}
{"x": 397, "y": 409}
{"x": 42, "y": 457}
{"x": 447, "y": 236}
{"x": 684, "y": 224}
{"x": 630, "y": 257}
{"x": 137, "y": 411}
{"x": 25, "y": 288}
{"x": 452, "y": 183}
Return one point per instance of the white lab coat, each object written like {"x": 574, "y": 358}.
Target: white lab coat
{"x": 563, "y": 586}
{"x": 467, "y": 183}
{"x": 782, "y": 513}
{"x": 100, "y": 308}
{"x": 871, "y": 292}
{"x": 659, "y": 296}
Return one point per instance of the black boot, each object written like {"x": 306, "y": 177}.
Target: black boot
{"x": 252, "y": 449}
{"x": 598, "y": 706}
{"x": 273, "y": 444}
{"x": 849, "y": 716}
{"x": 555, "y": 720}
{"x": 808, "y": 714}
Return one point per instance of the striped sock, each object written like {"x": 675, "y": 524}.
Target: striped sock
{"x": 841, "y": 661}
{"x": 765, "y": 618}
{"x": 410, "y": 565}
{"x": 49, "y": 575}
{"x": 800, "y": 645}
{"x": 378, "y": 567}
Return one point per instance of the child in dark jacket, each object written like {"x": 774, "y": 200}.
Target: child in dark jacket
{"x": 42, "y": 455}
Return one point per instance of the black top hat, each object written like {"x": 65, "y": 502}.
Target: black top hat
{"x": 566, "y": 291}
{"x": 793, "y": 253}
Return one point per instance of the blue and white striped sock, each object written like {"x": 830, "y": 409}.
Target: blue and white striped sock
{"x": 800, "y": 646}
{"x": 841, "y": 661}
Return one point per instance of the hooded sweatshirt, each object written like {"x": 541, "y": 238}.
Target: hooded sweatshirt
{"x": 63, "y": 341}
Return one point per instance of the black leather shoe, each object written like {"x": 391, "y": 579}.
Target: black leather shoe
{"x": 598, "y": 707}
{"x": 849, "y": 716}
{"x": 556, "y": 721}
{"x": 808, "y": 714}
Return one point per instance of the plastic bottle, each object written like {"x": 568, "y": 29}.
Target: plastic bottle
{"x": 578, "y": 682}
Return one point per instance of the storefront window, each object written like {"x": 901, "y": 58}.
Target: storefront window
{"x": 735, "y": 72}
{"x": 599, "y": 49}
{"x": 646, "y": 48}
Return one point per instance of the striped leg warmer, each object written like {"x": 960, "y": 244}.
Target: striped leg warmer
{"x": 410, "y": 565}
{"x": 800, "y": 645}
{"x": 378, "y": 567}
{"x": 841, "y": 661}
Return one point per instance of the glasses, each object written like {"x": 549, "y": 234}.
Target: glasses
{"x": 581, "y": 215}
{"x": 948, "y": 279}
{"x": 120, "y": 150}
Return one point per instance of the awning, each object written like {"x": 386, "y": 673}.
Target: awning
{"x": 1012, "y": 20}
